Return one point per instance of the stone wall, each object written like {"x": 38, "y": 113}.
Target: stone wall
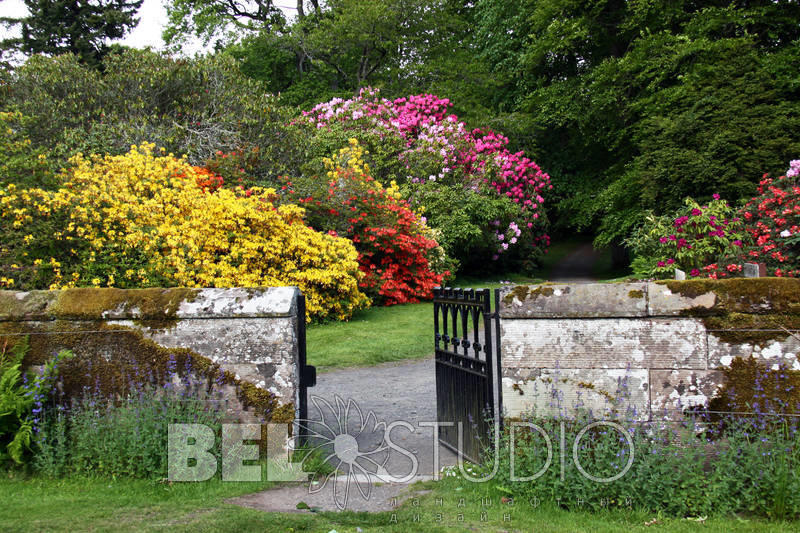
{"x": 661, "y": 345}
{"x": 244, "y": 339}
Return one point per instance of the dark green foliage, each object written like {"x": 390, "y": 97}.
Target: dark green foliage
{"x": 80, "y": 28}
{"x": 463, "y": 219}
{"x": 22, "y": 397}
{"x": 630, "y": 106}
{"x": 193, "y": 107}
{"x": 635, "y": 105}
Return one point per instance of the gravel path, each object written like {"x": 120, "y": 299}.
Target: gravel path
{"x": 393, "y": 392}
{"x": 354, "y": 402}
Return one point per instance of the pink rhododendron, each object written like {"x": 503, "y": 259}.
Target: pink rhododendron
{"x": 440, "y": 147}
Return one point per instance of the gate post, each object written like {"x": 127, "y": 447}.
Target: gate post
{"x": 498, "y": 395}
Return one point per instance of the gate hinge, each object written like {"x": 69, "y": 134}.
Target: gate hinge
{"x": 308, "y": 376}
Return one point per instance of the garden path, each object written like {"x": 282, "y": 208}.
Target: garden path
{"x": 392, "y": 392}
{"x": 578, "y": 266}
{"x": 404, "y": 391}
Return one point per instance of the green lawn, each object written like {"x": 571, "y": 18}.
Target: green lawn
{"x": 36, "y": 504}
{"x": 376, "y": 335}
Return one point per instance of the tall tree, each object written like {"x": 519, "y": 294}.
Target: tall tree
{"x": 81, "y": 27}
{"x": 225, "y": 20}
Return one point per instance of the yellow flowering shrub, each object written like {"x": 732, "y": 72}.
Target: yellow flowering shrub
{"x": 143, "y": 220}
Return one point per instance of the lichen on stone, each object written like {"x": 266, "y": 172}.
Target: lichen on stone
{"x": 96, "y": 303}
{"x": 752, "y": 387}
{"x": 523, "y": 292}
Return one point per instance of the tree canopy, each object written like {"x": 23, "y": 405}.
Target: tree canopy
{"x": 629, "y": 105}
{"x": 78, "y": 27}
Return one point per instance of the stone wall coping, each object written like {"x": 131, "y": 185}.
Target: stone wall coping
{"x": 652, "y": 299}
{"x": 148, "y": 304}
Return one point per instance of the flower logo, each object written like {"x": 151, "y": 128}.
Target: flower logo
{"x": 352, "y": 443}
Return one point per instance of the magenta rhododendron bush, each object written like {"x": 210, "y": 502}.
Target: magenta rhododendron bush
{"x": 439, "y": 152}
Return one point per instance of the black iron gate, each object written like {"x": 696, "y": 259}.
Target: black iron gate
{"x": 467, "y": 368}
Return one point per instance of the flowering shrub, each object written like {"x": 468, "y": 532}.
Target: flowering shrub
{"x": 773, "y": 220}
{"x": 715, "y": 240}
{"x": 395, "y": 246}
{"x": 438, "y": 148}
{"x": 141, "y": 220}
{"x": 702, "y": 240}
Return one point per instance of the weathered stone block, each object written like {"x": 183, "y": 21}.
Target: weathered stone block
{"x": 751, "y": 270}
{"x": 252, "y": 333}
{"x": 740, "y": 295}
{"x": 673, "y": 391}
{"x": 575, "y": 300}
{"x": 562, "y": 391}
{"x": 260, "y": 351}
{"x": 238, "y": 302}
{"x": 721, "y": 353}
{"x": 147, "y": 304}
{"x": 772, "y": 353}
{"x": 663, "y": 302}
{"x": 777, "y": 352}
{"x": 604, "y": 343}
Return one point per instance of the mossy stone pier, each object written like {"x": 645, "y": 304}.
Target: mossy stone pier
{"x": 242, "y": 340}
{"x": 670, "y": 345}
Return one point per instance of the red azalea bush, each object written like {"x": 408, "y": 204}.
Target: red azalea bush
{"x": 395, "y": 260}
{"x": 773, "y": 220}
{"x": 402, "y": 263}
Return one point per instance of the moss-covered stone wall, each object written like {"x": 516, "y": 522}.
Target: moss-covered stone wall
{"x": 678, "y": 343}
{"x": 242, "y": 342}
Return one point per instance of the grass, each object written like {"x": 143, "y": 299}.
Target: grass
{"x": 375, "y": 335}
{"x": 37, "y": 504}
